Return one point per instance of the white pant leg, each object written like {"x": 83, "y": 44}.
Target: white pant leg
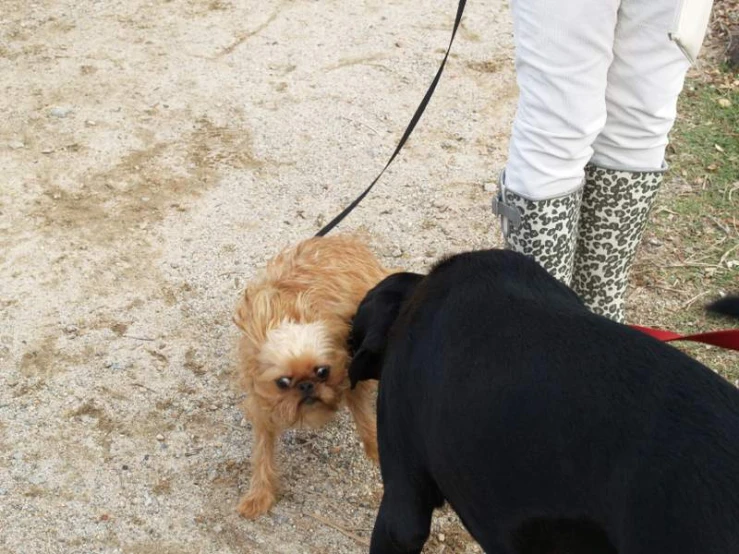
{"x": 563, "y": 52}
{"x": 644, "y": 81}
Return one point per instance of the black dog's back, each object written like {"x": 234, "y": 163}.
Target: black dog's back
{"x": 532, "y": 413}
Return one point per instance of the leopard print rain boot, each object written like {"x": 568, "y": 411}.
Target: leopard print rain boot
{"x": 545, "y": 230}
{"x": 614, "y": 213}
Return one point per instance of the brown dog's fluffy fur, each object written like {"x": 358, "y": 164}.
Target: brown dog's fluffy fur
{"x": 295, "y": 320}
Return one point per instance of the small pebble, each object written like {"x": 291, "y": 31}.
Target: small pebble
{"x": 60, "y": 112}
{"x": 90, "y": 123}
{"x": 47, "y": 150}
{"x": 160, "y": 437}
{"x": 442, "y": 537}
{"x": 124, "y": 467}
{"x": 16, "y": 144}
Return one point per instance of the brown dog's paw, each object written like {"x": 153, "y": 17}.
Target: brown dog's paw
{"x": 256, "y": 503}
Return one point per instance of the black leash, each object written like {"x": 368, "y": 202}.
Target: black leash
{"x": 412, "y": 125}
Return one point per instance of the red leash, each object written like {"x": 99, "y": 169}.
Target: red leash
{"x": 728, "y": 339}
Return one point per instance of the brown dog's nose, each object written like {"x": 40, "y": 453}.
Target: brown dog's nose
{"x": 306, "y": 388}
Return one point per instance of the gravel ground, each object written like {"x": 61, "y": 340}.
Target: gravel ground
{"x": 154, "y": 155}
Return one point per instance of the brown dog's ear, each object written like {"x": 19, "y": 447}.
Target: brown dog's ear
{"x": 240, "y": 315}
{"x": 372, "y": 322}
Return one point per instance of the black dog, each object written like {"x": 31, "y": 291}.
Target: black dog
{"x": 548, "y": 429}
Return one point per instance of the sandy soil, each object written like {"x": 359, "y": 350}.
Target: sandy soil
{"x": 154, "y": 154}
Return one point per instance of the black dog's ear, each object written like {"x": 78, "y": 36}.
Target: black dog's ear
{"x": 371, "y": 326}
{"x": 365, "y": 365}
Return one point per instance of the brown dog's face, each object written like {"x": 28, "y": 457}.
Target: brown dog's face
{"x": 301, "y": 373}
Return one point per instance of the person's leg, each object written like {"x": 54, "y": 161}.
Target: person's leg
{"x": 644, "y": 81}
{"x": 563, "y": 51}
{"x": 625, "y": 172}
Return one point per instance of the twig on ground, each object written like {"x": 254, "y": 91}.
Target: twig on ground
{"x": 714, "y": 266}
{"x": 726, "y": 254}
{"x": 694, "y": 299}
{"x": 138, "y": 338}
{"x": 144, "y": 387}
{"x": 669, "y": 289}
{"x": 340, "y": 529}
{"x": 728, "y": 34}
{"x": 719, "y": 224}
{"x": 663, "y": 209}
{"x": 731, "y": 192}
{"x": 362, "y": 123}
{"x": 243, "y": 38}
{"x": 719, "y": 242}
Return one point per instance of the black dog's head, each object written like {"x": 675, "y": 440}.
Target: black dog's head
{"x": 372, "y": 322}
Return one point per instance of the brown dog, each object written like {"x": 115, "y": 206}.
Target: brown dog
{"x": 295, "y": 320}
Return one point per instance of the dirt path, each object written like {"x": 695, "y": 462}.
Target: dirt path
{"x": 154, "y": 154}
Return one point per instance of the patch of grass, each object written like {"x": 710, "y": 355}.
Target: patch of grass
{"x": 691, "y": 254}
{"x": 706, "y": 135}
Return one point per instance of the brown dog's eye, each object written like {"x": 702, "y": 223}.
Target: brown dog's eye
{"x": 322, "y": 372}
{"x": 283, "y": 383}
